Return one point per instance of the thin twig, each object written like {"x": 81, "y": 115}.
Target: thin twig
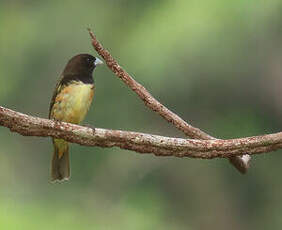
{"x": 138, "y": 142}
{"x": 240, "y": 162}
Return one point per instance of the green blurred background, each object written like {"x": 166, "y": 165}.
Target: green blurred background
{"x": 216, "y": 63}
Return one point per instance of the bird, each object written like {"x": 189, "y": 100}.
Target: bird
{"x": 70, "y": 102}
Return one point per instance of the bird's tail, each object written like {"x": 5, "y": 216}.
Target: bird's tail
{"x": 60, "y": 169}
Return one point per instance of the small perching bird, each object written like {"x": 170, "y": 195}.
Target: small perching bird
{"x": 70, "y": 103}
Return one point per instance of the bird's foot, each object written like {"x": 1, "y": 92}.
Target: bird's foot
{"x": 89, "y": 126}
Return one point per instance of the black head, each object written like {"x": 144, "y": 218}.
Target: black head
{"x": 81, "y": 64}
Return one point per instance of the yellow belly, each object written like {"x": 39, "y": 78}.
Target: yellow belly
{"x": 72, "y": 103}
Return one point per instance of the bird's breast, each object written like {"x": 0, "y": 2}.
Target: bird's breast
{"x": 72, "y": 102}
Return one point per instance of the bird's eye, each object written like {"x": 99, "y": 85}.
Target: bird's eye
{"x": 89, "y": 61}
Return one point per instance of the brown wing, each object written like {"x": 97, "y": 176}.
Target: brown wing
{"x": 57, "y": 90}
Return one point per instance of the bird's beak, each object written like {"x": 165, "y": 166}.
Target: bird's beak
{"x": 98, "y": 61}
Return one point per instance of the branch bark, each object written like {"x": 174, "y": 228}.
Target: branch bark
{"x": 138, "y": 142}
{"x": 240, "y": 162}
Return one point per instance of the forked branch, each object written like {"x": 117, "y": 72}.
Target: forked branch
{"x": 240, "y": 162}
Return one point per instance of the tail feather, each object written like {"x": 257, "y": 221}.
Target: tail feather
{"x": 60, "y": 169}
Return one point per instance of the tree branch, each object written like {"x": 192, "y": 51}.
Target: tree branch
{"x": 240, "y": 162}
{"x": 138, "y": 142}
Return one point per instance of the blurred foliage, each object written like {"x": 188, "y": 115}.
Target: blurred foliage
{"x": 216, "y": 63}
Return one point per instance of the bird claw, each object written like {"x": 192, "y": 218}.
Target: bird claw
{"x": 89, "y": 126}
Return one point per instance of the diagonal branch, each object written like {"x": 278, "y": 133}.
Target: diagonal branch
{"x": 138, "y": 142}
{"x": 240, "y": 162}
